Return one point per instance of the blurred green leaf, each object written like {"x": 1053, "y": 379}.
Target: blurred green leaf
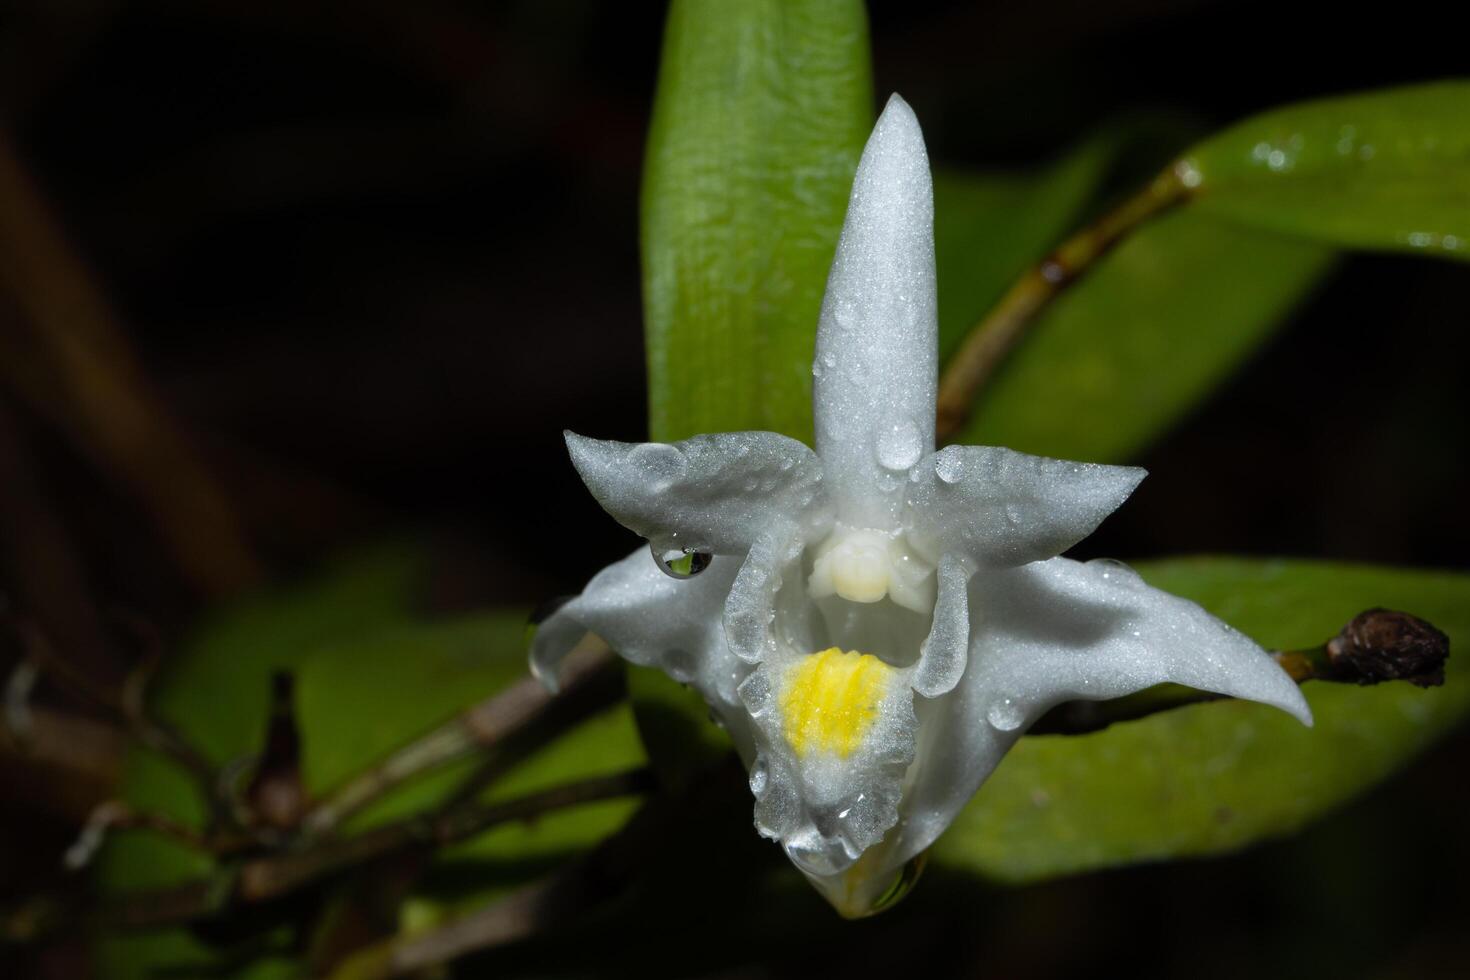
{"x": 1142, "y": 338}
{"x": 761, "y": 113}
{"x": 1212, "y": 778}
{"x": 1383, "y": 170}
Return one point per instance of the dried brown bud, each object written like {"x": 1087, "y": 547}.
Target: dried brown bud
{"x": 1384, "y": 645}
{"x": 276, "y": 795}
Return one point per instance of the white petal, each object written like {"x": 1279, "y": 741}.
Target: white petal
{"x": 1000, "y": 507}
{"x": 655, "y": 621}
{"x": 876, "y": 358}
{"x": 1063, "y": 630}
{"x": 714, "y": 492}
{"x": 943, "y": 654}
{"x": 750, "y": 610}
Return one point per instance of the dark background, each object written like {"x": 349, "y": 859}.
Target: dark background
{"x": 376, "y": 256}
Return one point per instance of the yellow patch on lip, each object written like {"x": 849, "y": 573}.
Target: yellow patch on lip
{"x": 830, "y": 699}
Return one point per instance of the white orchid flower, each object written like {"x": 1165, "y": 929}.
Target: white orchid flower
{"x": 875, "y": 623}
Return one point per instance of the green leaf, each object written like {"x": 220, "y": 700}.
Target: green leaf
{"x": 1142, "y": 338}
{"x": 1214, "y": 777}
{"x": 1381, "y": 170}
{"x": 761, "y": 113}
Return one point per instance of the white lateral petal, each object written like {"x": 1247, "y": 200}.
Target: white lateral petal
{"x": 943, "y": 653}
{"x": 713, "y": 492}
{"x": 1062, "y": 630}
{"x": 655, "y": 621}
{"x": 1002, "y": 508}
{"x": 750, "y": 610}
{"x": 875, "y": 372}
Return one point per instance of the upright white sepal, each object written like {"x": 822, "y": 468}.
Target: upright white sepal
{"x": 875, "y": 375}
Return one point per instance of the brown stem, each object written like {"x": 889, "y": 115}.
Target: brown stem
{"x": 989, "y": 341}
{"x": 603, "y": 873}
{"x": 268, "y": 878}
{"x": 115, "y": 815}
{"x": 126, "y": 706}
{"x": 87, "y": 752}
{"x": 512, "y": 721}
{"x": 98, "y": 382}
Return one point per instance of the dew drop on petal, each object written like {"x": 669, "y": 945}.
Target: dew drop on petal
{"x": 949, "y": 465}
{"x": 677, "y": 562}
{"x": 903, "y": 883}
{"x": 661, "y": 465}
{"x": 1005, "y": 715}
{"x": 1113, "y": 568}
{"x": 819, "y": 855}
{"x": 759, "y": 776}
{"x": 899, "y": 446}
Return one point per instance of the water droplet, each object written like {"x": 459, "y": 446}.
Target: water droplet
{"x": 818, "y": 855}
{"x": 903, "y": 883}
{"x": 677, "y": 562}
{"x": 1005, "y": 715}
{"x": 829, "y": 359}
{"x": 759, "y": 776}
{"x": 1188, "y": 173}
{"x": 662, "y": 465}
{"x": 1113, "y": 568}
{"x": 899, "y": 446}
{"x": 949, "y": 465}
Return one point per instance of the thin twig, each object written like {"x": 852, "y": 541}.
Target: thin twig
{"x": 89, "y": 752}
{"x": 589, "y": 684}
{"x": 606, "y": 871}
{"x": 18, "y": 691}
{"x": 267, "y": 878}
{"x": 117, "y": 815}
{"x": 125, "y": 705}
{"x": 989, "y": 341}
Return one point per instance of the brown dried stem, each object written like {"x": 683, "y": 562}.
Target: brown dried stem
{"x": 98, "y": 385}
{"x": 510, "y": 723}
{"x": 989, "y": 341}
{"x": 267, "y": 878}
{"x": 125, "y": 706}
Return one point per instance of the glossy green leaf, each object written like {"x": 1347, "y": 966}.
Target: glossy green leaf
{"x": 761, "y": 114}
{"x": 1382, "y": 170}
{"x": 1143, "y": 337}
{"x": 1212, "y": 778}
